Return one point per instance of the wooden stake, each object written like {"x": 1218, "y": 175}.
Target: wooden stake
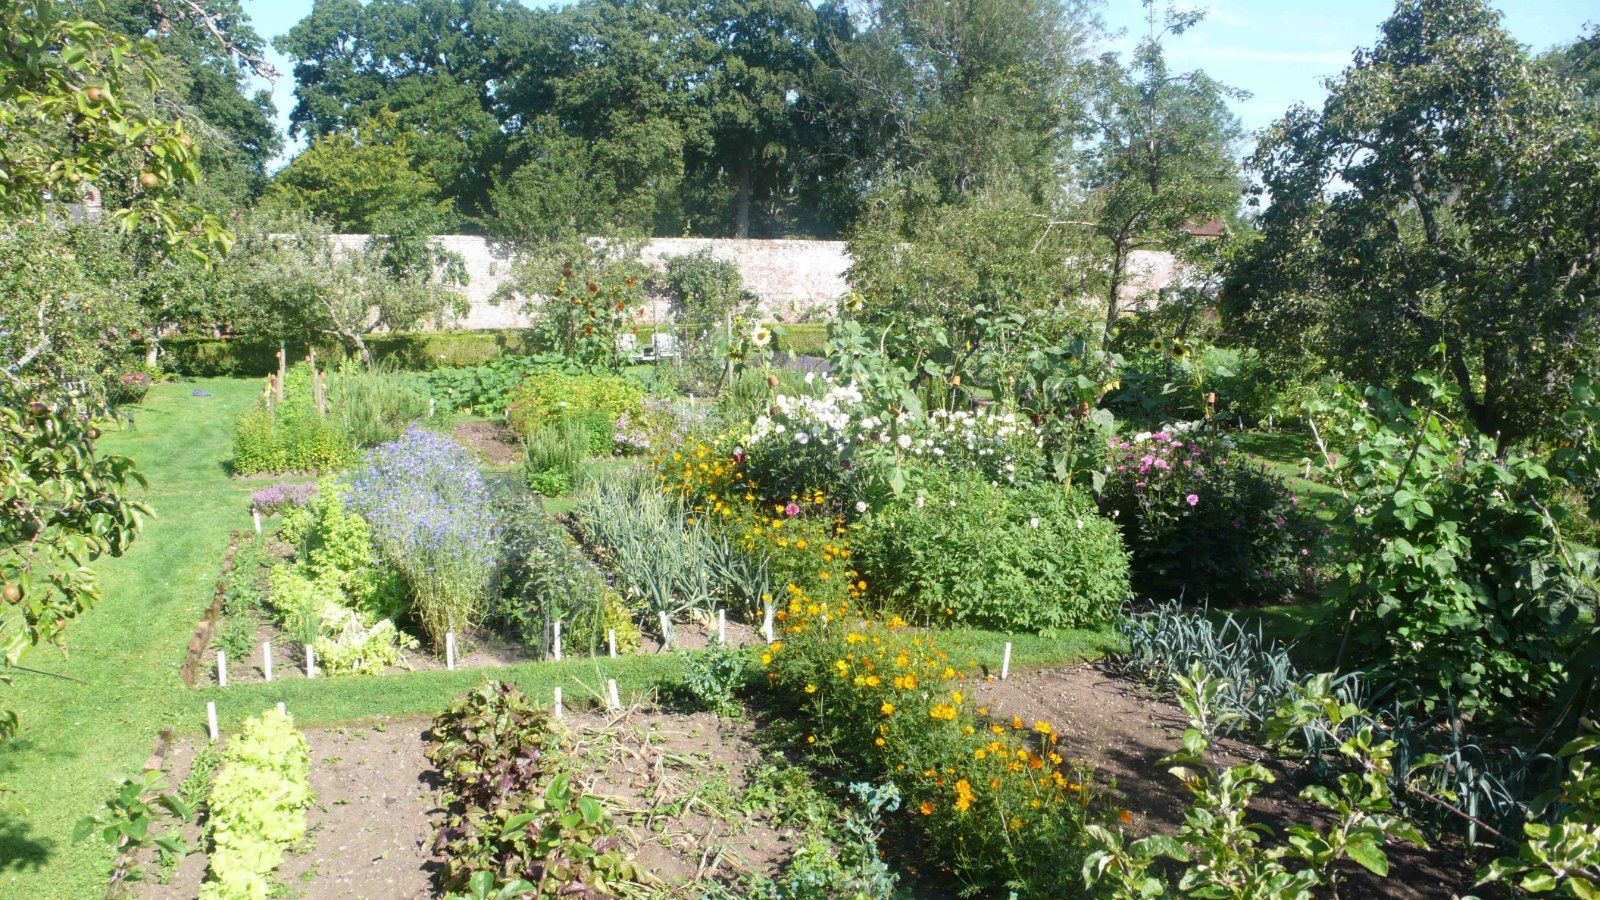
{"x": 611, "y": 693}
{"x": 722, "y": 627}
{"x": 211, "y": 719}
{"x": 222, "y": 669}
{"x": 255, "y": 515}
{"x": 611, "y": 641}
{"x": 1005, "y": 663}
{"x": 266, "y": 658}
{"x": 666, "y": 630}
{"x": 283, "y": 368}
{"x": 450, "y": 650}
{"x": 766, "y": 621}
{"x": 558, "y": 710}
{"x": 281, "y": 708}
{"x": 555, "y": 642}
{"x": 311, "y": 662}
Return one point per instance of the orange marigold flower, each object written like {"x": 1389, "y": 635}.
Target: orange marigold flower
{"x": 926, "y": 808}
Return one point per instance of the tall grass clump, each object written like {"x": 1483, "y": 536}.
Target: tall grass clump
{"x": 432, "y": 521}
{"x": 373, "y": 406}
{"x": 553, "y": 458}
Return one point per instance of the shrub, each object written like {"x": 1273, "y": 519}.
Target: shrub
{"x": 1460, "y": 587}
{"x": 989, "y": 800}
{"x": 965, "y": 550}
{"x": 334, "y": 547}
{"x": 544, "y": 577}
{"x": 553, "y": 458}
{"x": 432, "y": 522}
{"x": 290, "y": 436}
{"x": 593, "y": 402}
{"x": 373, "y": 406}
{"x": 712, "y": 679}
{"x": 1205, "y": 523}
{"x": 258, "y": 806}
{"x": 483, "y": 389}
{"x": 704, "y": 290}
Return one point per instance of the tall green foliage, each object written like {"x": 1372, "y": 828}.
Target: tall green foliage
{"x": 1444, "y": 193}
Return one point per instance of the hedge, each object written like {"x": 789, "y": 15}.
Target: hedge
{"x": 206, "y": 357}
{"x": 413, "y": 351}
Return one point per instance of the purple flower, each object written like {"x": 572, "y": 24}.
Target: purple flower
{"x": 791, "y": 510}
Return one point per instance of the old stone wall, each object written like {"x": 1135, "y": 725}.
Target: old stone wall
{"x": 789, "y": 277}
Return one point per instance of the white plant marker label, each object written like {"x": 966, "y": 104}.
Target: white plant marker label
{"x": 722, "y": 627}
{"x": 430, "y": 407}
{"x": 1005, "y": 663}
{"x": 558, "y": 710}
{"x": 611, "y": 693}
{"x": 211, "y": 719}
{"x": 766, "y": 622}
{"x": 611, "y": 641}
{"x": 1308, "y": 470}
{"x": 555, "y": 641}
{"x": 311, "y": 662}
{"x": 281, "y": 708}
{"x": 450, "y": 650}
{"x": 255, "y": 514}
{"x": 266, "y": 658}
{"x": 666, "y": 630}
{"x": 222, "y": 669}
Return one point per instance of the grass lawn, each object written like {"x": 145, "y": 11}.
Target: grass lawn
{"x": 79, "y": 739}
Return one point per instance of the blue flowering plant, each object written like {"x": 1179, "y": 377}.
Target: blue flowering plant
{"x": 432, "y": 520}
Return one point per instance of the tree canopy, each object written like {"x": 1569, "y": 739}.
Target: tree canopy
{"x": 1443, "y": 206}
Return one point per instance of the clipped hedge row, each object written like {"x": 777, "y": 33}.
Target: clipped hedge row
{"x": 802, "y": 339}
{"x": 411, "y": 351}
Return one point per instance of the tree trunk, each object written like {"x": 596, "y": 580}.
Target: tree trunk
{"x": 1117, "y": 259}
{"x": 741, "y": 202}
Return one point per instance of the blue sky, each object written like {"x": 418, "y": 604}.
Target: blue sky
{"x": 1278, "y": 50}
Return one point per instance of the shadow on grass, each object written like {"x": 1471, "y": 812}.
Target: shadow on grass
{"x": 19, "y": 849}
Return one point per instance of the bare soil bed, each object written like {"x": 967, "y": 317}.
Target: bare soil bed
{"x": 492, "y": 442}
{"x": 674, "y": 782}
{"x": 1123, "y": 733}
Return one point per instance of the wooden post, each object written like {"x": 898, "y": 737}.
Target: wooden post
{"x": 766, "y": 621}
{"x": 311, "y": 662}
{"x": 611, "y": 694}
{"x": 1005, "y": 663}
{"x": 722, "y": 627}
{"x": 255, "y": 515}
{"x": 559, "y": 711}
{"x": 283, "y": 369}
{"x": 611, "y": 641}
{"x": 266, "y": 658}
{"x": 281, "y": 708}
{"x": 450, "y": 650}
{"x": 555, "y": 641}
{"x": 666, "y": 630}
{"x": 211, "y": 719}
{"x": 222, "y": 669}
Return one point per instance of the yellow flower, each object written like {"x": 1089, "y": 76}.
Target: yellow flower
{"x": 979, "y": 753}
{"x": 811, "y": 689}
{"x": 887, "y": 708}
{"x": 878, "y": 741}
{"x": 766, "y": 659}
{"x": 1042, "y": 727}
{"x": 926, "y": 808}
